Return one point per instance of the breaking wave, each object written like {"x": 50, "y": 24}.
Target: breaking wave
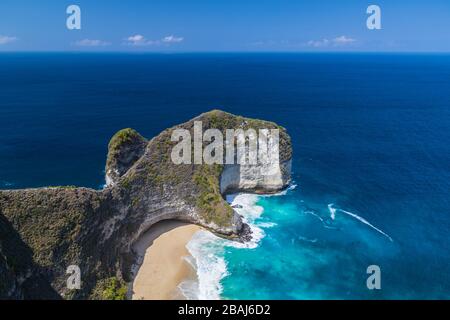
{"x": 207, "y": 250}
{"x": 333, "y": 211}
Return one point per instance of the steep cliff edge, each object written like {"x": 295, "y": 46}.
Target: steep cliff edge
{"x": 58, "y": 227}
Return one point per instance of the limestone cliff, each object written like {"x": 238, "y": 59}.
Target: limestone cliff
{"x": 43, "y": 231}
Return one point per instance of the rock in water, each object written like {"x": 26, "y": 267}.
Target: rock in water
{"x": 53, "y": 228}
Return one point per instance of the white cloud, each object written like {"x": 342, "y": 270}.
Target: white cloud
{"x": 343, "y": 40}
{"x": 140, "y": 40}
{"x": 338, "y": 41}
{"x": 172, "y": 39}
{"x": 318, "y": 43}
{"x": 91, "y": 43}
{"x": 136, "y": 38}
{"x": 7, "y": 39}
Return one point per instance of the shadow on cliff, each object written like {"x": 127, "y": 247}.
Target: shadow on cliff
{"x": 20, "y": 277}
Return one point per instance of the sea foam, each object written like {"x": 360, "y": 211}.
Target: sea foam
{"x": 207, "y": 259}
{"x": 207, "y": 250}
{"x": 333, "y": 211}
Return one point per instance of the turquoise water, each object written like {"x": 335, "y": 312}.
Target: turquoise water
{"x": 301, "y": 252}
{"x": 306, "y": 254}
{"x": 371, "y": 143}
{"x": 297, "y": 253}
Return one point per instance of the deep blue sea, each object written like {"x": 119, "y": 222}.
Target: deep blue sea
{"x": 371, "y": 167}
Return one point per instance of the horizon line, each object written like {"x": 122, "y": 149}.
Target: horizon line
{"x": 220, "y": 52}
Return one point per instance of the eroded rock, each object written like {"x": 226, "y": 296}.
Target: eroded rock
{"x": 95, "y": 229}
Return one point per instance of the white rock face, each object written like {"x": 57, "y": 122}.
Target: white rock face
{"x": 109, "y": 181}
{"x": 257, "y": 178}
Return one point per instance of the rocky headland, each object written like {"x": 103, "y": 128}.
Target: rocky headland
{"x": 45, "y": 230}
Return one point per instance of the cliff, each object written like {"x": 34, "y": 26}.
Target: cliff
{"x": 43, "y": 231}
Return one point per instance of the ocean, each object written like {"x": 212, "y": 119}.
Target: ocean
{"x": 371, "y": 166}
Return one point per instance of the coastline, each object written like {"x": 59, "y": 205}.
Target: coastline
{"x": 163, "y": 251}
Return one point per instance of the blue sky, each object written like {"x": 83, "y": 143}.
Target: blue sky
{"x": 225, "y": 25}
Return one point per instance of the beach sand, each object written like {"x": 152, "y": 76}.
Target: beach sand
{"x": 163, "y": 247}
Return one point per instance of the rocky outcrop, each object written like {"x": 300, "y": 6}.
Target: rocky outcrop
{"x": 258, "y": 179}
{"x": 95, "y": 229}
{"x": 124, "y": 149}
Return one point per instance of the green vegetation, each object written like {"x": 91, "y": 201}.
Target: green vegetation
{"x": 110, "y": 289}
{"x": 126, "y": 182}
{"x": 44, "y": 230}
{"x": 210, "y": 202}
{"x": 115, "y": 290}
{"x": 47, "y": 219}
{"x": 123, "y": 136}
{"x": 122, "y": 141}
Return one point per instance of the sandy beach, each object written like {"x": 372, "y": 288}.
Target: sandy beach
{"x": 164, "y": 267}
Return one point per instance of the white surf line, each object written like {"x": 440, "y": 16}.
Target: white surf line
{"x": 207, "y": 249}
{"x": 332, "y": 211}
{"x": 280, "y": 193}
{"x": 314, "y": 215}
{"x": 333, "y": 215}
